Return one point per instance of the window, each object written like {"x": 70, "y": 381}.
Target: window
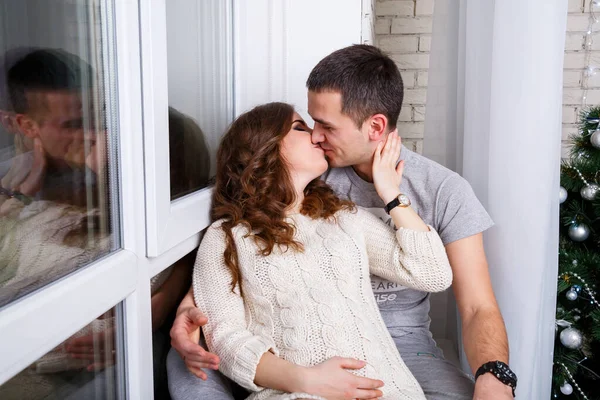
{"x": 194, "y": 104}
{"x": 61, "y": 259}
{"x": 199, "y": 93}
{"x": 58, "y": 180}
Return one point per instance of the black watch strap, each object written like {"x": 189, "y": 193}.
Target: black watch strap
{"x": 501, "y": 371}
{"x": 391, "y": 205}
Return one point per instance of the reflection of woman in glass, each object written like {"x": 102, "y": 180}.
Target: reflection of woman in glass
{"x": 188, "y": 155}
{"x": 283, "y": 273}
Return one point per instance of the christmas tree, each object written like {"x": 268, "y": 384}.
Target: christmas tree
{"x": 576, "y": 371}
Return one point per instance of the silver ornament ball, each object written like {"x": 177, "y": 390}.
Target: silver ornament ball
{"x": 566, "y": 388}
{"x": 595, "y": 139}
{"x": 571, "y": 338}
{"x": 571, "y": 295}
{"x": 578, "y": 232}
{"x": 562, "y": 195}
{"x": 590, "y": 191}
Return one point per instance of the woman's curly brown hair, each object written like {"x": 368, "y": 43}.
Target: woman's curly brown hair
{"x": 253, "y": 186}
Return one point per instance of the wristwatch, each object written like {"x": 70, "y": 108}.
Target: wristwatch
{"x": 501, "y": 371}
{"x": 401, "y": 201}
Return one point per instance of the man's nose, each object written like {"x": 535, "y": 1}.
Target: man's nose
{"x": 317, "y": 135}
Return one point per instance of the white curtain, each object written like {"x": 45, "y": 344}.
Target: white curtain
{"x": 494, "y": 115}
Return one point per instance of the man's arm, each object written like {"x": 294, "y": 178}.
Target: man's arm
{"x": 165, "y": 299}
{"x": 483, "y": 330}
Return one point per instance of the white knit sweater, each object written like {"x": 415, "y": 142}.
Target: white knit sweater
{"x": 308, "y": 307}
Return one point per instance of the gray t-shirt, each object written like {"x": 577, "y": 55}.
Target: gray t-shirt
{"x": 442, "y": 198}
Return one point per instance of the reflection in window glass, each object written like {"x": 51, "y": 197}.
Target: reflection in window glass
{"x": 87, "y": 366}
{"x": 168, "y": 289}
{"x": 56, "y": 180}
{"x": 200, "y": 90}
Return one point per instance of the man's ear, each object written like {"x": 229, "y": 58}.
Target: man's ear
{"x": 377, "y": 127}
{"x": 27, "y": 125}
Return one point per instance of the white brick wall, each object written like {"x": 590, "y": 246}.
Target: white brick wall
{"x": 368, "y": 22}
{"x": 577, "y": 25}
{"x": 403, "y": 29}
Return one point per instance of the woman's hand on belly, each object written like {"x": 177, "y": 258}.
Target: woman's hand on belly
{"x": 332, "y": 380}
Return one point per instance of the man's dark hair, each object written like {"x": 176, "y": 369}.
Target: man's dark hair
{"x": 7, "y": 60}
{"x": 368, "y": 80}
{"x": 46, "y": 69}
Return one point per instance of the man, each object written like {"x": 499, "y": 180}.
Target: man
{"x": 354, "y": 97}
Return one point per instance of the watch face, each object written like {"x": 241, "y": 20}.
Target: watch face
{"x": 404, "y": 200}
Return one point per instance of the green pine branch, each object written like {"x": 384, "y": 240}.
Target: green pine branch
{"x": 595, "y": 331}
{"x": 582, "y": 150}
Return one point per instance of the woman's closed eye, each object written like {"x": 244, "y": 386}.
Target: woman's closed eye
{"x": 300, "y": 126}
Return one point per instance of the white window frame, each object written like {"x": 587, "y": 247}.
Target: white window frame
{"x": 168, "y": 222}
{"x": 32, "y": 326}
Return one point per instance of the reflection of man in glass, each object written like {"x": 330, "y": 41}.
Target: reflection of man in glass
{"x": 51, "y": 93}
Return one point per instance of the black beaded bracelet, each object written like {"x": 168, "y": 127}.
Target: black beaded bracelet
{"x": 501, "y": 371}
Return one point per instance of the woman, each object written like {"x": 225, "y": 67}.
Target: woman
{"x": 283, "y": 273}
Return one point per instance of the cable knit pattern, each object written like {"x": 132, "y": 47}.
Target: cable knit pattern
{"x": 308, "y": 307}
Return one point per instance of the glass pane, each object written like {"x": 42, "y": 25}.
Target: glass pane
{"x": 168, "y": 289}
{"x": 86, "y": 366}
{"x": 58, "y": 181}
{"x": 200, "y": 90}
